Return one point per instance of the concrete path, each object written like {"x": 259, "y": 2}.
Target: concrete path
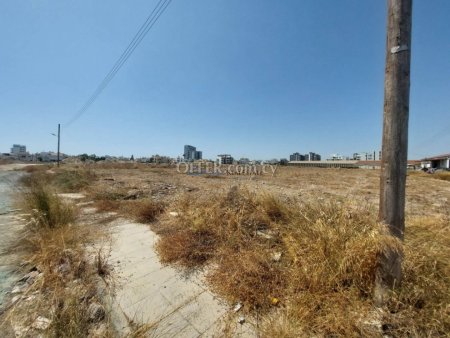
{"x": 160, "y": 296}
{"x": 10, "y": 225}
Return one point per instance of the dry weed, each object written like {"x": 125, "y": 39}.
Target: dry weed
{"x": 65, "y": 282}
{"x": 314, "y": 262}
{"x": 45, "y": 208}
{"x": 146, "y": 211}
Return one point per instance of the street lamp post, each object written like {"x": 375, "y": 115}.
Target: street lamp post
{"x": 59, "y": 140}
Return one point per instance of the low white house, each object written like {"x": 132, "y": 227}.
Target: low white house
{"x": 436, "y": 162}
{"x": 49, "y": 156}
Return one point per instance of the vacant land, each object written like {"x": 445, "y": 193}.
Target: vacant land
{"x": 298, "y": 250}
{"x": 425, "y": 195}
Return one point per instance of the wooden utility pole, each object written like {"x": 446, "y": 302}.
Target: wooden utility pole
{"x": 59, "y": 140}
{"x": 395, "y": 140}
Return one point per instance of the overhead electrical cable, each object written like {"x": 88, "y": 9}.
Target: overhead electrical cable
{"x": 159, "y": 9}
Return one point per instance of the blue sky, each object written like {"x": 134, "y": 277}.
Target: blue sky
{"x": 253, "y": 78}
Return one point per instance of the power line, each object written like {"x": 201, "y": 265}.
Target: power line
{"x": 159, "y": 9}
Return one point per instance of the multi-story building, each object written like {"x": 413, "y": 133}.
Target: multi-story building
{"x": 18, "y": 149}
{"x": 191, "y": 153}
{"x": 297, "y": 157}
{"x": 307, "y": 157}
{"x": 224, "y": 159}
{"x": 19, "y": 152}
{"x": 364, "y": 156}
{"x": 312, "y": 157}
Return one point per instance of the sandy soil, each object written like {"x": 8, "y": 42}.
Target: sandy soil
{"x": 425, "y": 195}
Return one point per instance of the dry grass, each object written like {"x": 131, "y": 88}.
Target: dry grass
{"x": 55, "y": 246}
{"x": 439, "y": 175}
{"x": 322, "y": 283}
{"x": 442, "y": 175}
{"x": 35, "y": 168}
{"x": 73, "y": 180}
{"x": 111, "y": 194}
{"x": 116, "y": 165}
{"x": 101, "y": 263}
{"x": 45, "y": 207}
{"x": 106, "y": 205}
{"x": 67, "y": 285}
{"x": 116, "y": 199}
{"x": 60, "y": 257}
{"x": 62, "y": 179}
{"x": 147, "y": 211}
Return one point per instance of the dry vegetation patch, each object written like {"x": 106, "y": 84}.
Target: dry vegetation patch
{"x": 313, "y": 264}
{"x": 59, "y": 296}
{"x": 304, "y": 256}
{"x": 439, "y": 175}
{"x": 47, "y": 210}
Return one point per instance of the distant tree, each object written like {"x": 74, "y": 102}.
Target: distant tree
{"x": 132, "y": 158}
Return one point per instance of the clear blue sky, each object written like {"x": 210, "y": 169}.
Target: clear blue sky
{"x": 253, "y": 78}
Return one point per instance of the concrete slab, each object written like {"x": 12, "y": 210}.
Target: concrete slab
{"x": 204, "y": 311}
{"x": 162, "y": 298}
{"x": 71, "y": 196}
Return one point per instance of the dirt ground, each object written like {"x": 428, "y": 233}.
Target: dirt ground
{"x": 425, "y": 196}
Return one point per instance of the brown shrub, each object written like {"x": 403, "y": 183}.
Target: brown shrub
{"x": 35, "y": 168}
{"x": 147, "y": 211}
{"x": 106, "y": 205}
{"x": 249, "y": 276}
{"x": 443, "y": 175}
{"x": 188, "y": 248}
{"x": 325, "y": 276}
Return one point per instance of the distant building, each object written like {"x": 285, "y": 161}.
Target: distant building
{"x": 336, "y": 157}
{"x": 19, "y": 152}
{"x": 364, "y": 156}
{"x": 191, "y": 154}
{"x": 244, "y": 160}
{"x": 436, "y": 162}
{"x": 159, "y": 159}
{"x": 49, "y": 156}
{"x": 297, "y": 157}
{"x": 18, "y": 149}
{"x": 312, "y": 157}
{"x": 225, "y": 159}
{"x": 324, "y": 164}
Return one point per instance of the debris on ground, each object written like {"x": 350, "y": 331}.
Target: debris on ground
{"x": 237, "y": 307}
